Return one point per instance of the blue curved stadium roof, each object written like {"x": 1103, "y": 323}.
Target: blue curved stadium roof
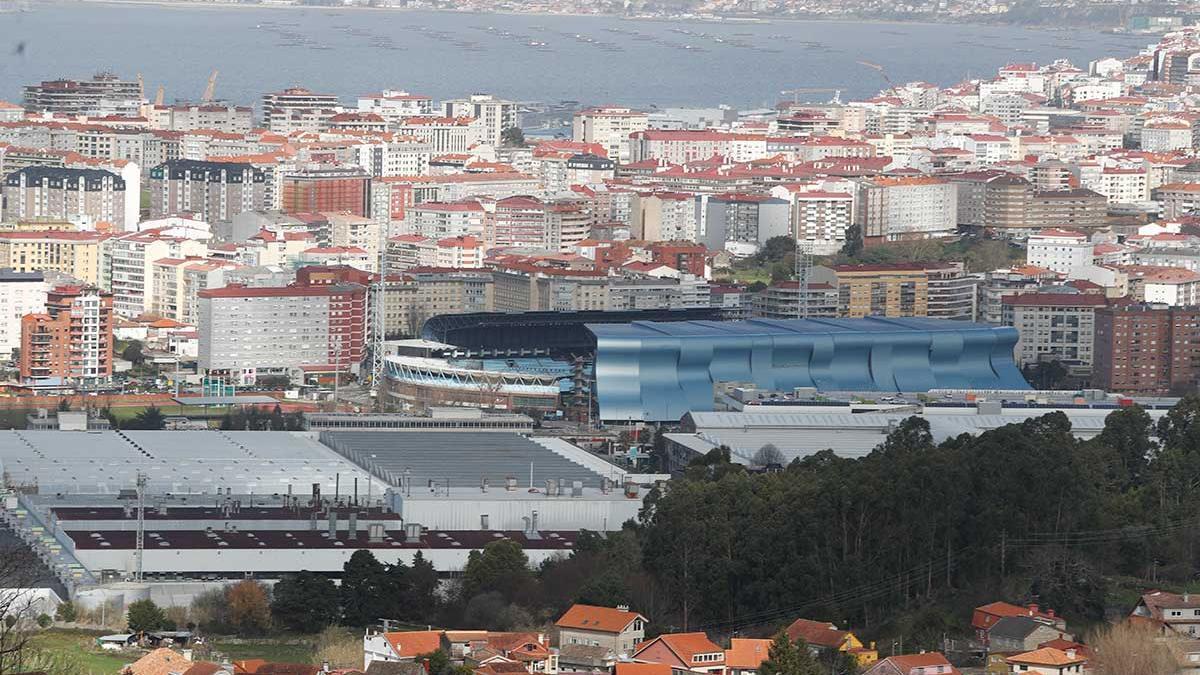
{"x": 656, "y": 371}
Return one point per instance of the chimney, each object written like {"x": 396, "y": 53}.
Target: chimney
{"x": 1071, "y": 653}
{"x": 1033, "y": 608}
{"x": 1050, "y": 613}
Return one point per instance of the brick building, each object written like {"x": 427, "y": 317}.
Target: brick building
{"x": 72, "y": 339}
{"x": 1147, "y": 349}
{"x": 326, "y": 189}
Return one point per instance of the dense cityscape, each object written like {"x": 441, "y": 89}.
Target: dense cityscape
{"x": 393, "y": 384}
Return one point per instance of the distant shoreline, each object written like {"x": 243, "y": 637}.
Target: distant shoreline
{"x": 727, "y": 20}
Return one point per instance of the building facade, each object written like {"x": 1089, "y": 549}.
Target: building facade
{"x": 211, "y": 191}
{"x": 85, "y": 197}
{"x": 72, "y": 339}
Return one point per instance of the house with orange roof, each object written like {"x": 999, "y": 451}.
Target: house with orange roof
{"x": 986, "y": 616}
{"x": 633, "y": 668}
{"x": 824, "y": 636}
{"x": 392, "y": 646}
{"x": 160, "y": 661}
{"x": 688, "y": 652}
{"x": 1048, "y": 661}
{"x": 746, "y": 655}
{"x": 928, "y": 663}
{"x": 614, "y": 628}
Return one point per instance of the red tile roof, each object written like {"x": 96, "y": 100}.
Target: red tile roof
{"x": 599, "y": 619}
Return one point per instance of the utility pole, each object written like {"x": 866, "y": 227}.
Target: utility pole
{"x": 140, "y": 543}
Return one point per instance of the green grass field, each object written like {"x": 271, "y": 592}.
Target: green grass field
{"x": 79, "y": 647}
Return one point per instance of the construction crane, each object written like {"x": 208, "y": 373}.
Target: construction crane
{"x": 211, "y": 89}
{"x": 139, "y": 543}
{"x": 879, "y": 69}
{"x": 158, "y": 96}
{"x": 837, "y": 93}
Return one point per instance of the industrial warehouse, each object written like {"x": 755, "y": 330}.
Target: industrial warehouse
{"x": 189, "y": 506}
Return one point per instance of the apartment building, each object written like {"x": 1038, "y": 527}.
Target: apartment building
{"x": 444, "y": 219}
{"x": 72, "y": 339}
{"x": 1059, "y": 250}
{"x": 610, "y": 128}
{"x": 86, "y": 197}
{"x": 1147, "y": 349}
{"x": 104, "y": 94}
{"x": 127, "y": 267}
{"x": 178, "y": 281}
{"x": 663, "y": 216}
{"x": 298, "y": 109}
{"x": 249, "y": 331}
{"x": 78, "y": 254}
{"x": 494, "y": 114}
{"x": 1054, "y": 326}
{"x": 21, "y": 293}
{"x": 395, "y": 104}
{"x": 742, "y": 221}
{"x": 906, "y": 208}
{"x": 553, "y": 225}
{"x": 214, "y": 192}
{"x": 318, "y": 189}
{"x": 231, "y": 119}
{"x": 445, "y": 135}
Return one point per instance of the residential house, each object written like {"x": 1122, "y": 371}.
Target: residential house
{"x": 161, "y": 661}
{"x": 985, "y": 616}
{"x": 745, "y": 655}
{"x": 400, "y": 645}
{"x": 1022, "y": 634}
{"x": 206, "y": 668}
{"x": 588, "y": 634}
{"x": 823, "y": 636}
{"x": 1048, "y": 661}
{"x": 1172, "y": 611}
{"x": 395, "y": 668}
{"x": 485, "y": 648}
{"x": 929, "y": 663}
{"x": 631, "y": 668}
{"x": 688, "y": 652}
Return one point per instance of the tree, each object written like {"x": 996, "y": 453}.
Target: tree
{"x": 422, "y": 588}
{"x": 151, "y": 419}
{"x": 768, "y": 455}
{"x": 786, "y": 657}
{"x": 1132, "y": 649}
{"x": 249, "y": 607}
{"x": 513, "y": 137}
{"x": 854, "y": 242}
{"x": 364, "y": 590}
{"x": 502, "y": 566}
{"x": 133, "y": 353}
{"x": 305, "y": 602}
{"x": 18, "y": 606}
{"x": 66, "y": 612}
{"x": 144, "y": 615}
{"x": 1047, "y": 375}
{"x": 64, "y": 404}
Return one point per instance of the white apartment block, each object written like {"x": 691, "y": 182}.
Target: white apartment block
{"x": 1059, "y": 250}
{"x": 444, "y": 219}
{"x": 127, "y": 267}
{"x": 905, "y": 208}
{"x": 21, "y": 293}
{"x": 445, "y": 134}
{"x": 611, "y": 128}
{"x": 495, "y": 114}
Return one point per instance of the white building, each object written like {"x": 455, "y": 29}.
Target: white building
{"x": 1172, "y": 286}
{"x": 21, "y": 293}
{"x": 611, "y": 128}
{"x": 496, "y": 114}
{"x": 1059, "y": 250}
{"x": 127, "y": 267}
{"x": 906, "y": 208}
